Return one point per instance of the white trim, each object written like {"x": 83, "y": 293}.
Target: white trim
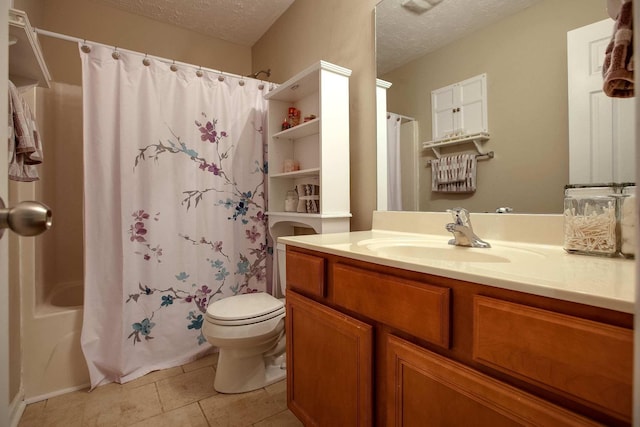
{"x": 56, "y": 393}
{"x": 16, "y": 409}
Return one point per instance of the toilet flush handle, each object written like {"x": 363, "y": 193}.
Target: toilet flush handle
{"x": 26, "y": 218}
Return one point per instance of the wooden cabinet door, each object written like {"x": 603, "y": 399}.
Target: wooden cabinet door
{"x": 426, "y": 389}
{"x": 329, "y": 365}
{"x": 588, "y": 362}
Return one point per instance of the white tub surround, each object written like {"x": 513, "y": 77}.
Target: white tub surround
{"x": 526, "y": 255}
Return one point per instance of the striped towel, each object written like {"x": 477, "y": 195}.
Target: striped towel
{"x": 25, "y": 144}
{"x": 454, "y": 174}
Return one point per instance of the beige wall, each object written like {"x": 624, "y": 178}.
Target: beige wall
{"x": 340, "y": 32}
{"x": 524, "y": 57}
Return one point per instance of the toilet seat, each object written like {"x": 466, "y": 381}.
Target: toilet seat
{"x": 244, "y": 309}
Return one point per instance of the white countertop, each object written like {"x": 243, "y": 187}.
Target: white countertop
{"x": 535, "y": 268}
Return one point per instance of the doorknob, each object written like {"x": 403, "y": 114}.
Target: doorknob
{"x": 26, "y": 218}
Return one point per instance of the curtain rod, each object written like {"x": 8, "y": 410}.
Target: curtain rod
{"x": 157, "y": 58}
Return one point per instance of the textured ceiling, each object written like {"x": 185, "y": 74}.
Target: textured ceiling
{"x": 402, "y": 36}
{"x": 238, "y": 21}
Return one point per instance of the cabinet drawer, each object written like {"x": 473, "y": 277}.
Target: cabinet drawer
{"x": 416, "y": 308}
{"x": 587, "y": 361}
{"x": 305, "y": 273}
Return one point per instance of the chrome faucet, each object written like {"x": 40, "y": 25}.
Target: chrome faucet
{"x": 463, "y": 234}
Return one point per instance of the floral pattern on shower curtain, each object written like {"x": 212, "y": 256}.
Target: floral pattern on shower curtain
{"x": 174, "y": 201}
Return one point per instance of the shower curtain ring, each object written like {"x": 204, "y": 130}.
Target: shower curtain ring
{"x": 146, "y": 61}
{"x": 173, "y": 67}
{"x": 241, "y": 82}
{"x": 221, "y": 77}
{"x": 115, "y": 54}
{"x": 199, "y": 72}
{"x": 85, "y": 48}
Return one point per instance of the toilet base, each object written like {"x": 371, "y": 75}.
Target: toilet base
{"x": 242, "y": 374}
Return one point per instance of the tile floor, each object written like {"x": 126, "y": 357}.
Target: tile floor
{"x": 177, "y": 397}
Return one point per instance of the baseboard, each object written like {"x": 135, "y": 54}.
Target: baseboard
{"x": 16, "y": 409}
{"x": 46, "y": 396}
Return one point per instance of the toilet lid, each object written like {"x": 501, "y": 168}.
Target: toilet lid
{"x": 245, "y": 307}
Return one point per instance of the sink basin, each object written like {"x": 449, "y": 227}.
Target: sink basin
{"x": 439, "y": 250}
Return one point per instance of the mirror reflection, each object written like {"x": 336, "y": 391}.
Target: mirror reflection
{"x": 521, "y": 47}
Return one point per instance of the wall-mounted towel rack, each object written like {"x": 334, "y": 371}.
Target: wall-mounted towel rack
{"x": 26, "y": 62}
{"x": 488, "y": 155}
{"x": 477, "y": 139}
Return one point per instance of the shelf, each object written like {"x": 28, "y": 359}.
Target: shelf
{"x": 311, "y": 127}
{"x": 321, "y": 150}
{"x": 476, "y": 139}
{"x": 282, "y": 223}
{"x": 26, "y": 62}
{"x": 304, "y": 83}
{"x": 297, "y": 174}
{"x": 308, "y": 215}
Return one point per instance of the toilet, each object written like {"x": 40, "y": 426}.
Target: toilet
{"x": 248, "y": 329}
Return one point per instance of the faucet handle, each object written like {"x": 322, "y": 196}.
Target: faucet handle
{"x": 460, "y": 216}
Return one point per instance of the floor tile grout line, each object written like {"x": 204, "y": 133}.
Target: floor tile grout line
{"x": 202, "y": 412}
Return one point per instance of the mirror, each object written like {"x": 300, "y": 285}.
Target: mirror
{"x": 524, "y": 55}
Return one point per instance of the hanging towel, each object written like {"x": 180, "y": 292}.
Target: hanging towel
{"x": 25, "y": 144}
{"x": 617, "y": 69}
{"x": 454, "y": 174}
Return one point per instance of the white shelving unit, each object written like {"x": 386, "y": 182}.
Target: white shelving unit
{"x": 476, "y": 139}
{"x": 321, "y": 146}
{"x": 26, "y": 62}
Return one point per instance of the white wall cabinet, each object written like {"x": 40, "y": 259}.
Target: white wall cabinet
{"x": 460, "y": 108}
{"x": 320, "y": 146}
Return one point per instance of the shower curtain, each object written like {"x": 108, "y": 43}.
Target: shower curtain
{"x": 174, "y": 205}
{"x": 394, "y": 180}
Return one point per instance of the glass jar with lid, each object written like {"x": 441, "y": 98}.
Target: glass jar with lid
{"x": 590, "y": 220}
{"x": 291, "y": 201}
{"x": 628, "y": 220}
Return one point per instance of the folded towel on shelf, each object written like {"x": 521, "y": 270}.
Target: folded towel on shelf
{"x": 25, "y": 144}
{"x": 454, "y": 174}
{"x": 617, "y": 69}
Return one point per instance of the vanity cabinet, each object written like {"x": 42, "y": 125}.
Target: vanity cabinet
{"x": 428, "y": 350}
{"x": 318, "y": 149}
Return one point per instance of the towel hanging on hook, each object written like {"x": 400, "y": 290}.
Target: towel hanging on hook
{"x": 613, "y": 8}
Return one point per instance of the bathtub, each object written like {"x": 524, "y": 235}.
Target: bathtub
{"x": 52, "y": 264}
{"x": 70, "y": 295}
{"x": 53, "y": 360}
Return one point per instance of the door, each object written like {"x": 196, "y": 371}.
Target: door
{"x": 601, "y": 129}
{"x": 4, "y": 256}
